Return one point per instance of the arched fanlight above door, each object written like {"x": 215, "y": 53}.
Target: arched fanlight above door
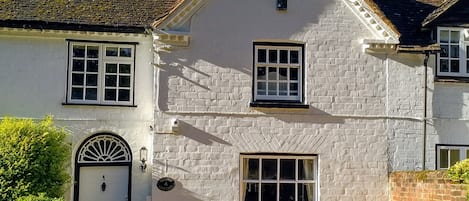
{"x": 104, "y": 149}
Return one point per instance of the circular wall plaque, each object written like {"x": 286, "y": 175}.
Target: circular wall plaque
{"x": 165, "y": 184}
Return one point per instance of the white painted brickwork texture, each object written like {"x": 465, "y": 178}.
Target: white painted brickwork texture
{"x": 363, "y": 120}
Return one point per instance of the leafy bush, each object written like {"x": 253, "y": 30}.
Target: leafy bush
{"x": 33, "y": 159}
{"x": 459, "y": 172}
{"x": 40, "y": 197}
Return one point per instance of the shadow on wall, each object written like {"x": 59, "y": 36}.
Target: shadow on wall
{"x": 221, "y": 42}
{"x": 178, "y": 193}
{"x": 198, "y": 135}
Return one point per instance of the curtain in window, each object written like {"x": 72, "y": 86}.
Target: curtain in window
{"x": 308, "y": 173}
{"x": 245, "y": 176}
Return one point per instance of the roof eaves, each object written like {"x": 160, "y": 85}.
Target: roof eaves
{"x": 160, "y": 20}
{"x": 375, "y": 8}
{"x": 438, "y": 12}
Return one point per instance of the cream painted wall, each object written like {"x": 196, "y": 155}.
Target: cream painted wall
{"x": 33, "y": 77}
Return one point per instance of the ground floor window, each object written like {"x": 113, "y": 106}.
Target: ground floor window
{"x": 448, "y": 155}
{"x": 278, "y": 177}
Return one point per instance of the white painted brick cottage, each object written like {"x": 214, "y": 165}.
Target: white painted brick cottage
{"x": 242, "y": 100}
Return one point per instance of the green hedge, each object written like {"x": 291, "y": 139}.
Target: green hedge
{"x": 34, "y": 158}
{"x": 40, "y": 197}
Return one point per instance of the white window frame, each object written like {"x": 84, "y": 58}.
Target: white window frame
{"x": 102, "y": 61}
{"x": 277, "y": 181}
{"x": 462, "y": 154}
{"x": 463, "y": 44}
{"x": 300, "y": 65}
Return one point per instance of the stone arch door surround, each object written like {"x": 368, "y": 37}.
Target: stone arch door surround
{"x": 103, "y": 169}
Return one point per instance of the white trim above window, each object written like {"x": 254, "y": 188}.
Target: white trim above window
{"x": 278, "y": 74}
{"x": 278, "y": 177}
{"x": 453, "y": 59}
{"x": 101, "y": 73}
{"x": 448, "y": 155}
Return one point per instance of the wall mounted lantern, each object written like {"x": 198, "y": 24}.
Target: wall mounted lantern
{"x": 281, "y": 4}
{"x": 143, "y": 158}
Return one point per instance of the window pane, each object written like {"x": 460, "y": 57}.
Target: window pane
{"x": 110, "y": 94}
{"x": 111, "y": 81}
{"x": 293, "y": 89}
{"x": 111, "y": 68}
{"x": 92, "y": 66}
{"x": 77, "y": 93}
{"x": 444, "y": 51}
{"x": 251, "y": 192}
{"x": 124, "y": 81}
{"x": 444, "y": 36}
{"x": 467, "y": 153}
{"x": 78, "y": 65}
{"x": 126, "y": 52}
{"x": 283, "y": 56}
{"x": 272, "y": 73}
{"x": 269, "y": 192}
{"x": 443, "y": 158}
{"x": 305, "y": 169}
{"x": 287, "y": 192}
{"x": 305, "y": 192}
{"x": 287, "y": 169}
{"x": 91, "y": 94}
{"x": 272, "y": 88}
{"x": 467, "y": 66}
{"x": 93, "y": 52}
{"x": 78, "y": 79}
{"x": 112, "y": 51}
{"x": 124, "y": 68}
{"x": 294, "y": 57}
{"x": 454, "y": 51}
{"x": 455, "y": 66}
{"x": 273, "y": 56}
{"x": 293, "y": 73}
{"x": 283, "y": 89}
{"x": 444, "y": 66}
{"x": 261, "y": 73}
{"x": 454, "y": 36}
{"x": 251, "y": 168}
{"x": 454, "y": 156}
{"x": 283, "y": 73}
{"x": 261, "y": 55}
{"x": 269, "y": 169}
{"x": 261, "y": 88}
{"x": 91, "y": 80}
{"x": 124, "y": 94}
{"x": 79, "y": 51}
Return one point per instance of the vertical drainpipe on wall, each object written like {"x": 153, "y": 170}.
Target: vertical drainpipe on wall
{"x": 425, "y": 63}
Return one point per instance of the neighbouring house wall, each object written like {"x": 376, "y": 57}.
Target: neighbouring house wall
{"x": 425, "y": 186}
{"x": 34, "y": 80}
{"x": 359, "y": 103}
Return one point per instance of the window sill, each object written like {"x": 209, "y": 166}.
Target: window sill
{"x": 278, "y": 105}
{"x": 452, "y": 79}
{"x": 104, "y": 105}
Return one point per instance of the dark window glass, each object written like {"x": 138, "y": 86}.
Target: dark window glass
{"x": 283, "y": 56}
{"x": 79, "y": 51}
{"x": 294, "y": 74}
{"x": 305, "y": 169}
{"x": 253, "y": 168}
{"x": 261, "y": 55}
{"x": 252, "y": 192}
{"x": 305, "y": 192}
{"x": 111, "y": 81}
{"x": 261, "y": 73}
{"x": 455, "y": 66}
{"x": 91, "y": 80}
{"x": 272, "y": 88}
{"x": 272, "y": 73}
{"x": 287, "y": 169}
{"x": 110, "y": 94}
{"x": 269, "y": 192}
{"x": 124, "y": 68}
{"x": 93, "y": 52}
{"x": 261, "y": 88}
{"x": 287, "y": 192}
{"x": 273, "y": 56}
{"x": 293, "y": 89}
{"x": 444, "y": 65}
{"x": 78, "y": 79}
{"x": 111, "y": 68}
{"x": 112, "y": 51}
{"x": 269, "y": 169}
{"x": 77, "y": 93}
{"x": 124, "y": 81}
{"x": 124, "y": 95}
{"x": 294, "y": 57}
{"x": 283, "y": 73}
{"x": 91, "y": 94}
{"x": 126, "y": 52}
{"x": 92, "y": 66}
{"x": 454, "y": 51}
{"x": 444, "y": 51}
{"x": 443, "y": 158}
{"x": 282, "y": 89}
{"x": 78, "y": 65}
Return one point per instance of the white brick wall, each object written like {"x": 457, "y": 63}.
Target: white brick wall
{"x": 363, "y": 120}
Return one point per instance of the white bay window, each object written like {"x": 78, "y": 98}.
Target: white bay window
{"x": 453, "y": 59}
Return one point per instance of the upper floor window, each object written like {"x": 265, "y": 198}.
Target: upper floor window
{"x": 279, "y": 177}
{"x": 101, "y": 73}
{"x": 453, "y": 60}
{"x": 448, "y": 155}
{"x": 278, "y": 72}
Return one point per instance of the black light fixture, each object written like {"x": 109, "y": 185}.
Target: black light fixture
{"x": 143, "y": 158}
{"x": 281, "y": 4}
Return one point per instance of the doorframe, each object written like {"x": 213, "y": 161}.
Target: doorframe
{"x": 78, "y": 166}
